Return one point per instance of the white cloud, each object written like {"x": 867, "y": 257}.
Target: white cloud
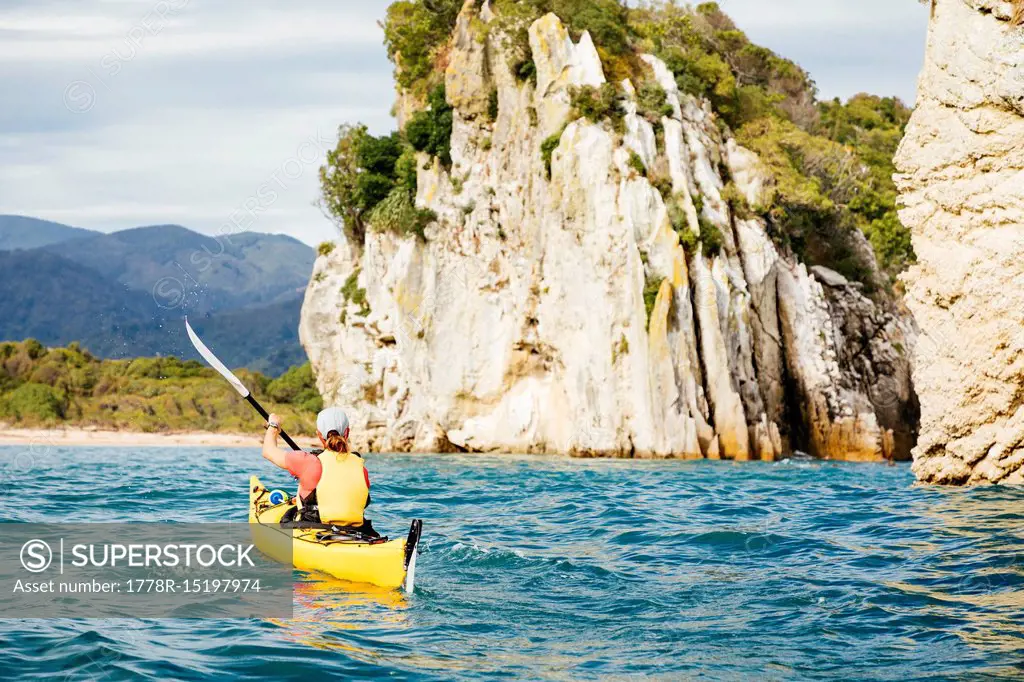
{"x": 848, "y": 47}
{"x": 812, "y": 18}
{"x": 210, "y": 106}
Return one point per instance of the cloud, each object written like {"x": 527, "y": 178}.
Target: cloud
{"x": 115, "y": 118}
{"x": 848, "y": 47}
{"x": 121, "y": 113}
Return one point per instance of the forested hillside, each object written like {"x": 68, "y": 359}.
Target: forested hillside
{"x": 42, "y": 387}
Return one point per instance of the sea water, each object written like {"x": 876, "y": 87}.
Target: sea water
{"x": 551, "y": 568}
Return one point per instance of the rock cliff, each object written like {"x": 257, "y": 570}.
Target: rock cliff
{"x": 559, "y": 309}
{"x": 962, "y": 183}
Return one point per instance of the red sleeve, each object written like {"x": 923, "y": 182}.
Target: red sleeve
{"x": 366, "y": 475}
{"x": 305, "y": 467}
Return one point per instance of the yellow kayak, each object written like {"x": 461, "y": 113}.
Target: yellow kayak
{"x": 383, "y": 562}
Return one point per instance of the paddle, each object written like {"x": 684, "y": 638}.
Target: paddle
{"x": 235, "y": 382}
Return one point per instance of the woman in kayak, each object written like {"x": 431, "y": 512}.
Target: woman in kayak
{"x": 334, "y": 486}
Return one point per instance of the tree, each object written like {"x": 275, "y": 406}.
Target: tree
{"x": 339, "y": 184}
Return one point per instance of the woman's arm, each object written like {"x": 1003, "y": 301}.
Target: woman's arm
{"x": 271, "y": 452}
{"x": 302, "y": 465}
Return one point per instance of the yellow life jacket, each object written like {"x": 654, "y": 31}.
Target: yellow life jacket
{"x": 342, "y": 492}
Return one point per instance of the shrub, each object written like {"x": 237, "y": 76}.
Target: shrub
{"x": 338, "y": 183}
{"x": 325, "y": 248}
{"x": 351, "y": 285}
{"x": 415, "y": 31}
{"x": 710, "y": 237}
{"x": 652, "y": 102}
{"x": 737, "y": 202}
{"x": 597, "y": 104}
{"x": 398, "y": 214}
{"x": 664, "y": 187}
{"x": 297, "y": 386}
{"x": 33, "y": 349}
{"x": 636, "y": 162}
{"x": 492, "y": 105}
{"x": 35, "y": 402}
{"x": 526, "y": 70}
{"x": 606, "y": 20}
{"x": 166, "y": 368}
{"x": 689, "y": 240}
{"x": 380, "y": 154}
{"x": 405, "y": 171}
{"x": 548, "y": 147}
{"x": 698, "y": 203}
{"x": 371, "y": 189}
{"x": 430, "y": 131}
{"x": 352, "y": 293}
{"x": 651, "y": 288}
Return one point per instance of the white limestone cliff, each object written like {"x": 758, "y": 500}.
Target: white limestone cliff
{"x": 962, "y": 183}
{"x": 519, "y": 325}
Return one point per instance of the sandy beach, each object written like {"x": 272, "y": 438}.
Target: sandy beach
{"x": 85, "y": 436}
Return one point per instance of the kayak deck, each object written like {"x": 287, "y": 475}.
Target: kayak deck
{"x": 382, "y": 562}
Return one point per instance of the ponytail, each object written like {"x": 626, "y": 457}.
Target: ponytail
{"x": 336, "y": 442}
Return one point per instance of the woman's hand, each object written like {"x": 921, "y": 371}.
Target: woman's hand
{"x": 270, "y": 450}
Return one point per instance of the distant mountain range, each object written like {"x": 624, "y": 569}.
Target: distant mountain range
{"x": 21, "y": 232}
{"x": 125, "y": 294}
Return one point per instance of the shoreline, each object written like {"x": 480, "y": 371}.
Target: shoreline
{"x": 92, "y": 436}
{"x": 99, "y": 437}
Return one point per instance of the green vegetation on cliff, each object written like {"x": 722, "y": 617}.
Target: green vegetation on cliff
{"x": 69, "y": 386}
{"x": 830, "y": 161}
{"x": 371, "y": 181}
{"x": 414, "y": 33}
{"x": 872, "y": 128}
{"x": 430, "y": 130}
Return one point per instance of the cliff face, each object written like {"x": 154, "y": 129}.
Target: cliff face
{"x": 962, "y": 165}
{"x": 520, "y": 324}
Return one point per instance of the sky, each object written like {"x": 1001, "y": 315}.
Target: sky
{"x": 216, "y": 114}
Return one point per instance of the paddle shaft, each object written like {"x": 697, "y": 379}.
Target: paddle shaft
{"x": 263, "y": 413}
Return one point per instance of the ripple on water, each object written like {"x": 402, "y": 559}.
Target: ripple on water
{"x": 563, "y": 569}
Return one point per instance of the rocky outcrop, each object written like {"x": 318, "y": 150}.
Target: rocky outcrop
{"x": 520, "y": 324}
{"x": 962, "y": 182}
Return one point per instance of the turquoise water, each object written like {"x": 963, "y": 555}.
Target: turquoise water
{"x": 567, "y": 569}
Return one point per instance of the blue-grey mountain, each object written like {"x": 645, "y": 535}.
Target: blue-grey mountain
{"x": 22, "y": 232}
{"x": 124, "y": 294}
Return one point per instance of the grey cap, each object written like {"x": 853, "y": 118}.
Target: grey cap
{"x": 332, "y": 419}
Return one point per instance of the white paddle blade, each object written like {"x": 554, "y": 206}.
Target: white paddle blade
{"x": 410, "y": 573}
{"x": 214, "y": 362}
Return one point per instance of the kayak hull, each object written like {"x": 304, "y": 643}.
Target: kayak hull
{"x": 384, "y": 563}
